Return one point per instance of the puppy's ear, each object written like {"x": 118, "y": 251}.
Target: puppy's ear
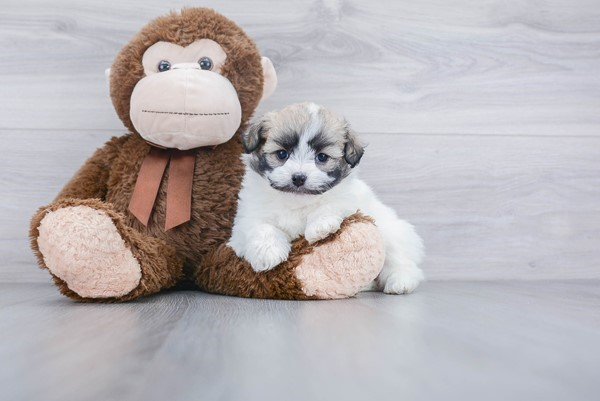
{"x": 254, "y": 135}
{"x": 353, "y": 149}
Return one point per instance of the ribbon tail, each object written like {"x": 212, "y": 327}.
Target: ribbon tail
{"x": 147, "y": 184}
{"x": 179, "y": 189}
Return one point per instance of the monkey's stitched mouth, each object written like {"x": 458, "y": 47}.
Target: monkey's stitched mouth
{"x": 180, "y": 113}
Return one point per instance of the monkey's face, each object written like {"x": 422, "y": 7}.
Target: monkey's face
{"x": 188, "y": 79}
{"x": 183, "y": 101}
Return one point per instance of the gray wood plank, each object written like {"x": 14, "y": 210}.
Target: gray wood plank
{"x": 516, "y": 67}
{"x": 450, "y": 340}
{"x": 107, "y": 343}
{"x": 488, "y": 207}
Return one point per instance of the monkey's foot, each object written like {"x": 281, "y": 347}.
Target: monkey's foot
{"x": 82, "y": 246}
{"x": 344, "y": 263}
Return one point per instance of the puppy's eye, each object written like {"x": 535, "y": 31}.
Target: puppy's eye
{"x": 322, "y": 157}
{"x": 282, "y": 154}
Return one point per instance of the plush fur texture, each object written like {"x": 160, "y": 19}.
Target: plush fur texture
{"x": 81, "y": 245}
{"x": 161, "y": 266}
{"x": 340, "y": 268}
{"x": 309, "y": 141}
{"x": 193, "y": 253}
{"x": 335, "y": 267}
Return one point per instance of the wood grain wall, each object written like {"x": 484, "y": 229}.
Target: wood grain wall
{"x": 483, "y": 117}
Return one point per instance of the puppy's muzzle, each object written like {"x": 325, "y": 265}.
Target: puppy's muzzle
{"x": 298, "y": 179}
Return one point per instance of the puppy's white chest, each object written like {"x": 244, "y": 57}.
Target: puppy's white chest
{"x": 292, "y": 222}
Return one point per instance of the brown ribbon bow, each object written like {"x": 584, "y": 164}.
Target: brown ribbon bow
{"x": 179, "y": 187}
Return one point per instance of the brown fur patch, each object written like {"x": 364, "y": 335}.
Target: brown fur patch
{"x": 214, "y": 198}
{"x": 89, "y": 182}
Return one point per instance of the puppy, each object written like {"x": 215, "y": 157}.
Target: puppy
{"x": 301, "y": 179}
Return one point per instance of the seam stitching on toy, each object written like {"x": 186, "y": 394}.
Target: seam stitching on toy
{"x": 185, "y": 114}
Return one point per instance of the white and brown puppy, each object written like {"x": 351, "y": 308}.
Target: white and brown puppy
{"x": 301, "y": 180}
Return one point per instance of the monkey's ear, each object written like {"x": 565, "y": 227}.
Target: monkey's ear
{"x": 353, "y": 149}
{"x": 254, "y": 136}
{"x": 107, "y": 75}
{"x": 270, "y": 78}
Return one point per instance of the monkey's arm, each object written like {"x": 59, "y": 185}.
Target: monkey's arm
{"x": 90, "y": 250}
{"x": 336, "y": 267}
{"x": 88, "y": 185}
{"x": 90, "y": 181}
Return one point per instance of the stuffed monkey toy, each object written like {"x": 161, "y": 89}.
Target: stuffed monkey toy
{"x": 153, "y": 209}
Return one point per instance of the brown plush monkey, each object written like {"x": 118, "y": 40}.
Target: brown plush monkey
{"x": 153, "y": 209}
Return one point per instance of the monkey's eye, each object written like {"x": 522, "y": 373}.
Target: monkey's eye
{"x": 205, "y": 63}
{"x": 282, "y": 154}
{"x": 164, "y": 65}
{"x": 322, "y": 157}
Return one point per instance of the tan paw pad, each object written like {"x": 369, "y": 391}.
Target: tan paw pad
{"x": 82, "y": 246}
{"x": 341, "y": 268}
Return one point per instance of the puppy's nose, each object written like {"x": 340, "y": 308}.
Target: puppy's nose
{"x": 298, "y": 179}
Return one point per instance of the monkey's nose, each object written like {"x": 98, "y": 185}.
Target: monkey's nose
{"x": 298, "y": 179}
{"x": 181, "y": 66}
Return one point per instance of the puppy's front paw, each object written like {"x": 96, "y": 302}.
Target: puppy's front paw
{"x": 403, "y": 282}
{"x": 267, "y": 256}
{"x": 267, "y": 249}
{"x": 321, "y": 228}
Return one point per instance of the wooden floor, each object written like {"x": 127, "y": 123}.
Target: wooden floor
{"x": 449, "y": 341}
{"x": 483, "y": 126}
